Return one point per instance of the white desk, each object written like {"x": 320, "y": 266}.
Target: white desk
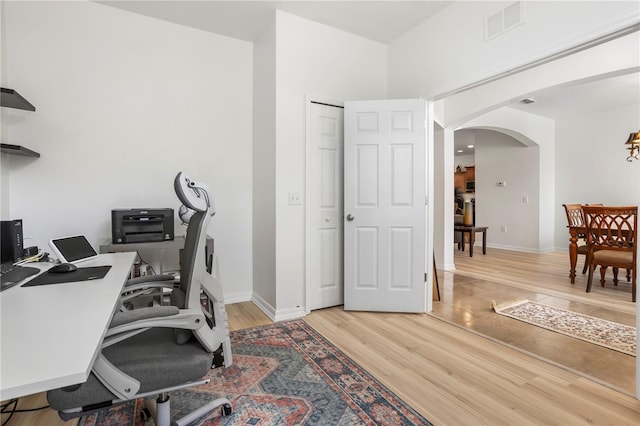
{"x": 51, "y": 334}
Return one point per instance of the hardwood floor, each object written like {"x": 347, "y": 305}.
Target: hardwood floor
{"x": 452, "y": 376}
{"x": 467, "y": 294}
{"x": 545, "y": 273}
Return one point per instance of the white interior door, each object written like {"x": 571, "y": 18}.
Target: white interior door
{"x": 384, "y": 205}
{"x": 325, "y": 237}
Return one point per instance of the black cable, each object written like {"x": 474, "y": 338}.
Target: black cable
{"x": 14, "y": 402}
{"x": 26, "y": 410}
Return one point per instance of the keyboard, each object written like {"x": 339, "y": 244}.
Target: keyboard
{"x": 12, "y": 275}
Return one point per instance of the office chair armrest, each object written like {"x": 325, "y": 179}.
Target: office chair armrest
{"x": 127, "y": 317}
{"x": 149, "y": 278}
{"x": 140, "y": 286}
{"x": 187, "y": 319}
{"x": 148, "y": 282}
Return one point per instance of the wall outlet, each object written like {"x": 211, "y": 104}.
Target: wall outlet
{"x": 504, "y": 228}
{"x": 295, "y": 198}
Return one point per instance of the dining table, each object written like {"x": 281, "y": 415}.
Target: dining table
{"x": 574, "y": 232}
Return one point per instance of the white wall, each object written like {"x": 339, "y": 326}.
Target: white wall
{"x": 4, "y": 130}
{"x": 420, "y": 64}
{"x": 312, "y": 60}
{"x": 615, "y": 57}
{"x": 264, "y": 169}
{"x": 591, "y": 166}
{"x": 123, "y": 103}
{"x": 529, "y": 130}
{"x": 500, "y": 158}
{"x": 448, "y": 51}
{"x": 443, "y": 197}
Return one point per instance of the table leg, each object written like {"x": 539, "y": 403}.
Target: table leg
{"x": 484, "y": 242}
{"x": 573, "y": 253}
{"x": 472, "y": 240}
{"x": 462, "y": 243}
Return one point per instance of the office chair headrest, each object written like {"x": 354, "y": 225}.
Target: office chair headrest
{"x": 194, "y": 195}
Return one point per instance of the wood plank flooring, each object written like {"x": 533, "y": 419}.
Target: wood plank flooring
{"x": 545, "y": 273}
{"x": 468, "y": 293}
{"x": 452, "y": 376}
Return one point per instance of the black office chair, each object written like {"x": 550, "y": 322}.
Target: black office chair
{"x": 155, "y": 350}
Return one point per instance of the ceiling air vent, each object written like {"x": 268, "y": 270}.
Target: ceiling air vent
{"x": 527, "y": 101}
{"x": 506, "y": 19}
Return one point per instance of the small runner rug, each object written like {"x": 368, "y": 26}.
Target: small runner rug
{"x": 598, "y": 331}
{"x": 283, "y": 374}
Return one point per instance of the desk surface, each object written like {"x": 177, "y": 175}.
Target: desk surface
{"x": 51, "y": 334}
{"x": 175, "y": 244}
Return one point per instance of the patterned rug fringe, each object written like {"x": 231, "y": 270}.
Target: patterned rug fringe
{"x": 609, "y": 334}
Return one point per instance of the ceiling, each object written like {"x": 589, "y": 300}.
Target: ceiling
{"x": 584, "y": 98}
{"x": 381, "y": 21}
{"x": 577, "y": 100}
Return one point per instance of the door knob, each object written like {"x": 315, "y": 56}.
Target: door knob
{"x": 327, "y": 219}
{"x": 350, "y": 217}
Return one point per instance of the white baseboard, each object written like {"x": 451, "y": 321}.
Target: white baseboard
{"x": 506, "y": 247}
{"x": 447, "y": 267}
{"x": 276, "y": 315}
{"x": 291, "y": 313}
{"x": 237, "y": 297}
{"x": 264, "y": 306}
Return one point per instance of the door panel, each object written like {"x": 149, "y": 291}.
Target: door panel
{"x": 367, "y": 166}
{"x": 328, "y": 247}
{"x": 401, "y": 176}
{"x": 325, "y": 195}
{"x": 401, "y": 256}
{"x": 366, "y": 255}
{"x": 384, "y": 205}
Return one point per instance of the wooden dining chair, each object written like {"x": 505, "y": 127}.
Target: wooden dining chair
{"x": 611, "y": 233}
{"x": 575, "y": 220}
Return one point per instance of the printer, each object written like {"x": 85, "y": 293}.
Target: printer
{"x": 141, "y": 225}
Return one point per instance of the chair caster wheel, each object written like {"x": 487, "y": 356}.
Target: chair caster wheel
{"x": 226, "y": 410}
{"x": 145, "y": 414}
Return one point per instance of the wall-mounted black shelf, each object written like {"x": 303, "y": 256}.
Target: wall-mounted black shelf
{"x": 12, "y": 99}
{"x": 18, "y": 150}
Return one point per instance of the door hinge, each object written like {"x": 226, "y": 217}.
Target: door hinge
{"x": 425, "y": 277}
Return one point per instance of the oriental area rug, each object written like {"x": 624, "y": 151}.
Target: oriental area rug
{"x": 612, "y": 335}
{"x": 283, "y": 374}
